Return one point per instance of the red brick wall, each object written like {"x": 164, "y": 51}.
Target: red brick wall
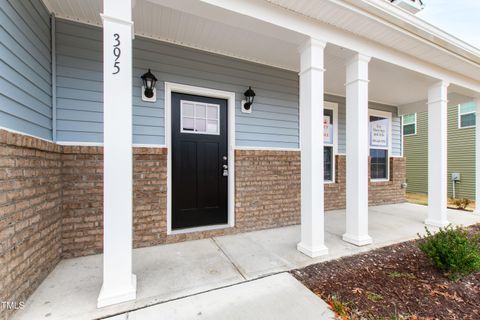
{"x": 267, "y": 192}
{"x": 267, "y": 189}
{"x": 30, "y": 215}
{"x": 387, "y": 192}
{"x": 379, "y": 192}
{"x": 82, "y": 216}
{"x": 82, "y": 223}
{"x": 51, "y": 202}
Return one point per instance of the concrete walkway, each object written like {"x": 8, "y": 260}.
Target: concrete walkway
{"x": 274, "y": 297}
{"x": 178, "y": 271}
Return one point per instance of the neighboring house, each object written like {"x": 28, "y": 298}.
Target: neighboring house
{"x": 461, "y": 150}
{"x": 139, "y": 123}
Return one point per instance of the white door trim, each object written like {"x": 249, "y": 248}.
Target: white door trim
{"x": 206, "y": 92}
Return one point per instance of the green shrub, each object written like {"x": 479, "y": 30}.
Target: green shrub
{"x": 452, "y": 250}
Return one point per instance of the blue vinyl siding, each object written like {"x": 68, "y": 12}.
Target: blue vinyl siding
{"x": 273, "y": 122}
{"x": 25, "y": 68}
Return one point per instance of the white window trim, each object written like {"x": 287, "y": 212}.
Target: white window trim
{"x": 414, "y": 123}
{"x": 199, "y": 91}
{"x": 334, "y": 107}
{"x": 459, "y": 118}
{"x": 388, "y": 115}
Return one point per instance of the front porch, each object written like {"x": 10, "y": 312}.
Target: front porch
{"x": 178, "y": 270}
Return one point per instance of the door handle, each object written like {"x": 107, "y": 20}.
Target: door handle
{"x": 225, "y": 167}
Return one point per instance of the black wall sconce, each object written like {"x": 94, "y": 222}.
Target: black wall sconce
{"x": 148, "y": 88}
{"x": 247, "y": 103}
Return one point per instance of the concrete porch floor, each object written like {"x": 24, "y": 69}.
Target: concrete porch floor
{"x": 175, "y": 271}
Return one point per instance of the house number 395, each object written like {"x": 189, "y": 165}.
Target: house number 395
{"x": 116, "y": 52}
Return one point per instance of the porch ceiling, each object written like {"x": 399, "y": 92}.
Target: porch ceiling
{"x": 205, "y": 27}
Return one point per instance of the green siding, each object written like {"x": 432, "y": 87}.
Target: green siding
{"x": 415, "y": 150}
{"x": 461, "y": 156}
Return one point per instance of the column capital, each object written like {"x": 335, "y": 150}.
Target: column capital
{"x": 312, "y": 56}
{"x": 357, "y": 69}
{"x": 359, "y": 57}
{"x": 311, "y": 42}
{"x": 438, "y": 92}
{"x": 108, "y": 18}
{"x": 439, "y": 84}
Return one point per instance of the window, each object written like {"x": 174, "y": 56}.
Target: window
{"x": 379, "y": 163}
{"x": 330, "y": 133}
{"x": 379, "y": 131}
{"x": 466, "y": 115}
{"x": 200, "y": 118}
{"x": 409, "y": 123}
{"x": 328, "y": 145}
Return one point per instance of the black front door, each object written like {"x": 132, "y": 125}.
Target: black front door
{"x": 199, "y": 161}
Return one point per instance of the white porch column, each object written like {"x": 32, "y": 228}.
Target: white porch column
{"x": 119, "y": 284}
{"x": 311, "y": 143}
{"x": 477, "y": 157}
{"x": 357, "y": 151}
{"x": 437, "y": 155}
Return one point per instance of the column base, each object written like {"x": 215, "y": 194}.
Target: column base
{"x": 357, "y": 240}
{"x": 312, "y": 252}
{"x": 117, "y": 296}
{"x": 437, "y": 223}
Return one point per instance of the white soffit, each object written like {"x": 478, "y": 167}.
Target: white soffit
{"x": 182, "y": 28}
{"x": 389, "y": 84}
{"x": 350, "y": 15}
{"x": 205, "y": 27}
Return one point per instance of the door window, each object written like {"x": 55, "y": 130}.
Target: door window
{"x": 200, "y": 118}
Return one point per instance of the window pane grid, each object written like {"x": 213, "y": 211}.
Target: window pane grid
{"x": 378, "y": 164}
{"x": 200, "y": 118}
{"x": 327, "y": 164}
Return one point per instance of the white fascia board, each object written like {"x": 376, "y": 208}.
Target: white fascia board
{"x": 416, "y": 25}
{"x": 422, "y": 105}
{"x": 297, "y": 22}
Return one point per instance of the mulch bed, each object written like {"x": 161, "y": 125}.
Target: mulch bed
{"x": 395, "y": 282}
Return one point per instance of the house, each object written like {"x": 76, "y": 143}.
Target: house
{"x": 461, "y": 150}
{"x": 138, "y": 123}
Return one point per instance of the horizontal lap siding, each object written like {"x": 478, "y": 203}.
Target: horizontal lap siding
{"x": 273, "y": 122}
{"x": 25, "y": 68}
{"x": 461, "y": 156}
{"x": 415, "y": 150}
